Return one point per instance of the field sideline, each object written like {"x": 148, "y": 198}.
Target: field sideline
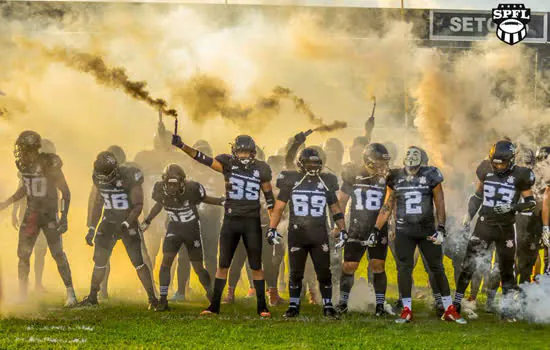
{"x": 123, "y": 324}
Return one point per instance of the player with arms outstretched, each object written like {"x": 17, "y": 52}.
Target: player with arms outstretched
{"x": 501, "y": 183}
{"x": 42, "y": 178}
{"x": 245, "y": 177}
{"x": 309, "y": 192}
{"x": 414, "y": 191}
{"x": 117, "y": 203}
{"x": 179, "y": 197}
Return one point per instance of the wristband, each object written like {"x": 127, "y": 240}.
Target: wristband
{"x": 126, "y": 224}
{"x": 203, "y": 159}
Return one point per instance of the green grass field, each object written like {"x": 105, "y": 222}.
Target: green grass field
{"x": 123, "y": 324}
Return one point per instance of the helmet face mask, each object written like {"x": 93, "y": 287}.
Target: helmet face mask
{"x": 502, "y": 157}
{"x": 310, "y": 162}
{"x": 27, "y": 150}
{"x": 173, "y": 179}
{"x": 413, "y": 160}
{"x": 376, "y": 159}
{"x": 244, "y": 150}
{"x": 106, "y": 167}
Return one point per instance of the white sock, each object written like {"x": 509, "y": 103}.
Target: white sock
{"x": 447, "y": 301}
{"x": 407, "y": 302}
{"x": 70, "y": 292}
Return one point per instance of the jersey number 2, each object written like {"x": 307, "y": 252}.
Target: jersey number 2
{"x": 413, "y": 202}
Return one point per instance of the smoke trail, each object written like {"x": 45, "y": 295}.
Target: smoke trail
{"x": 115, "y": 77}
{"x": 204, "y": 97}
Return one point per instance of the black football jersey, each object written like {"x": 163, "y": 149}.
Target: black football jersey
{"x": 308, "y": 199}
{"x": 414, "y": 213}
{"x": 182, "y": 207}
{"x": 116, "y": 194}
{"x": 367, "y": 197}
{"x": 243, "y": 185}
{"x": 41, "y": 183}
{"x": 502, "y": 190}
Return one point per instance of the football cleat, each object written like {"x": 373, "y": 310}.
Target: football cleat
{"x": 342, "y": 308}
{"x": 209, "y": 311}
{"x": 88, "y": 301}
{"x": 162, "y": 305}
{"x": 292, "y": 312}
{"x": 274, "y": 297}
{"x": 330, "y": 313}
{"x": 264, "y": 313}
{"x": 452, "y": 315}
{"x": 153, "y": 303}
{"x": 398, "y": 304}
{"x": 406, "y": 316}
{"x": 380, "y": 310}
{"x": 230, "y": 296}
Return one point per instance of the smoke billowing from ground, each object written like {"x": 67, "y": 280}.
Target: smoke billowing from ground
{"x": 234, "y": 70}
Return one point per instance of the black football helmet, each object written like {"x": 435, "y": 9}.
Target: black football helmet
{"x": 415, "y": 158}
{"x": 118, "y": 152}
{"x": 27, "y": 149}
{"x": 173, "y": 178}
{"x": 503, "y": 157}
{"x": 543, "y": 153}
{"x": 204, "y": 147}
{"x": 106, "y": 167}
{"x": 376, "y": 159}
{"x": 310, "y": 162}
{"x": 244, "y": 144}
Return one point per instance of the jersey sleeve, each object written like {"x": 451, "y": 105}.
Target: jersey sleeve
{"x": 482, "y": 169}
{"x": 526, "y": 180}
{"x": 284, "y": 184}
{"x": 348, "y": 178}
{"x": 436, "y": 177}
{"x": 224, "y": 160}
{"x": 134, "y": 177}
{"x": 265, "y": 173}
{"x": 158, "y": 192}
{"x": 199, "y": 193}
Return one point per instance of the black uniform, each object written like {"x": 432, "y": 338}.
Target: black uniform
{"x": 242, "y": 209}
{"x": 309, "y": 197}
{"x": 492, "y": 227}
{"x": 367, "y": 196}
{"x": 41, "y": 185}
{"x": 116, "y": 208}
{"x": 415, "y": 221}
{"x": 183, "y": 219}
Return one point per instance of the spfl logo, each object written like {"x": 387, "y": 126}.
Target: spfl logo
{"x": 512, "y": 20}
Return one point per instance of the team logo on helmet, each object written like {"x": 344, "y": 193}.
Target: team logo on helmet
{"x": 511, "y": 21}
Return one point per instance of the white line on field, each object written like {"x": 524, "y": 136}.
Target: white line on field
{"x": 61, "y": 328}
{"x": 51, "y": 340}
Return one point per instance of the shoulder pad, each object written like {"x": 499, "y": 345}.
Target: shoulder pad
{"x": 133, "y": 175}
{"x": 286, "y": 178}
{"x": 483, "y": 169}
{"x": 224, "y": 159}
{"x": 435, "y": 176}
{"x": 330, "y": 180}
{"x": 526, "y": 177}
{"x": 265, "y": 171}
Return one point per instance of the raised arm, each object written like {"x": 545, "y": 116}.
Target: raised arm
{"x": 196, "y": 155}
{"x": 290, "y": 157}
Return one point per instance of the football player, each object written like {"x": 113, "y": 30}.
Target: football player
{"x": 415, "y": 190}
{"x": 366, "y": 185}
{"x": 41, "y": 245}
{"x": 117, "y": 204}
{"x": 245, "y": 177}
{"x": 179, "y": 197}
{"x": 501, "y": 183}
{"x": 42, "y": 178}
{"x": 309, "y": 192}
{"x": 543, "y": 154}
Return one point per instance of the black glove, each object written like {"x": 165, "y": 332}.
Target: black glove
{"x": 300, "y": 138}
{"x": 373, "y": 237}
{"x": 273, "y": 237}
{"x": 90, "y": 236}
{"x": 62, "y": 225}
{"x": 177, "y": 141}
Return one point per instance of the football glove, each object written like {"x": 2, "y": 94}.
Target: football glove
{"x": 90, "y": 236}
{"x": 62, "y": 225}
{"x": 177, "y": 141}
{"x": 503, "y": 208}
{"x": 439, "y": 236}
{"x": 373, "y": 237}
{"x": 341, "y": 239}
{"x": 273, "y": 237}
{"x": 546, "y": 236}
{"x": 300, "y": 138}
{"x": 125, "y": 228}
